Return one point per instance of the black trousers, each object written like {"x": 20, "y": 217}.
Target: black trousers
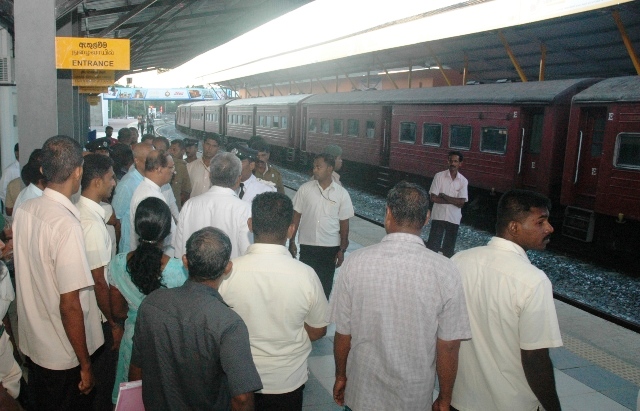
{"x": 323, "y": 261}
{"x": 290, "y": 401}
{"x": 440, "y": 229}
{"x": 54, "y": 390}
{"x": 104, "y": 363}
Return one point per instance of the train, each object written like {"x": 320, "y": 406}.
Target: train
{"x": 576, "y": 141}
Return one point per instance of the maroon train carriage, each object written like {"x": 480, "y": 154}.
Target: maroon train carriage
{"x": 183, "y": 118}
{"x": 197, "y": 118}
{"x": 601, "y": 180}
{"x": 276, "y": 119}
{"x": 214, "y": 116}
{"x": 511, "y": 135}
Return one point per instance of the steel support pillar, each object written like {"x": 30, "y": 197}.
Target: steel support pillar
{"x": 514, "y": 61}
{"x": 627, "y": 42}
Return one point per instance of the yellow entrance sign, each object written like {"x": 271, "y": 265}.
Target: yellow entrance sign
{"x": 93, "y": 90}
{"x": 92, "y": 53}
{"x": 92, "y": 78}
{"x": 93, "y": 100}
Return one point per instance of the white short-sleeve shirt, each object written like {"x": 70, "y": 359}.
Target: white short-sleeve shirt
{"x": 322, "y": 211}
{"x": 276, "y": 295}
{"x": 200, "y": 177}
{"x": 50, "y": 260}
{"x": 253, "y": 187}
{"x": 442, "y": 183}
{"x": 221, "y": 208}
{"x": 511, "y": 307}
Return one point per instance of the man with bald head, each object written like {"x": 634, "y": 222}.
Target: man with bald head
{"x": 124, "y": 192}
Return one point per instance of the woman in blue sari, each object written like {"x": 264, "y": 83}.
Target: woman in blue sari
{"x": 132, "y": 276}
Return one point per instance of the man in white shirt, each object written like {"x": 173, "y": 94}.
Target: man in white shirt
{"x": 448, "y": 194}
{"x": 98, "y": 181}
{"x": 265, "y": 283}
{"x": 199, "y": 169}
{"x": 158, "y": 171}
{"x": 33, "y": 177}
{"x": 219, "y": 207}
{"x": 10, "y": 173}
{"x": 59, "y": 317}
{"x": 322, "y": 211}
{"x": 506, "y": 366}
{"x": 250, "y": 185}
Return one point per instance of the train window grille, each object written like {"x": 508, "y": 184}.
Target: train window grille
{"x": 371, "y": 129}
{"x": 276, "y": 122}
{"x": 353, "y": 127}
{"x": 493, "y": 140}
{"x": 313, "y": 125}
{"x": 432, "y": 134}
{"x": 408, "y": 132}
{"x": 325, "y": 125}
{"x": 597, "y": 137}
{"x": 338, "y": 126}
{"x": 535, "y": 142}
{"x": 283, "y": 122}
{"x": 627, "y": 154}
{"x": 460, "y": 137}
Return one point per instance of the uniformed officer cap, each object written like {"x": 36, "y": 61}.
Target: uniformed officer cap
{"x": 190, "y": 142}
{"x": 102, "y": 143}
{"x": 243, "y": 152}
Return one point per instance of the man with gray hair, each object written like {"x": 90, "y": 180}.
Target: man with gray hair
{"x": 190, "y": 349}
{"x": 218, "y": 207}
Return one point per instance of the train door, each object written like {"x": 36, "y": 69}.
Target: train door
{"x": 530, "y": 146}
{"x": 592, "y": 124}
{"x": 386, "y": 136}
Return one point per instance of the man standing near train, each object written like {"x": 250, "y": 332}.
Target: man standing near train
{"x": 506, "y": 366}
{"x": 448, "y": 194}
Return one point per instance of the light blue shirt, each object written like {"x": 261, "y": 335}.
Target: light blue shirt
{"x": 121, "y": 204}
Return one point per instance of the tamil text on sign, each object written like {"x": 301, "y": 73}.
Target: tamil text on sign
{"x": 92, "y": 53}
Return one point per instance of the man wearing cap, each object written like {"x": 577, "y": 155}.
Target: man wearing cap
{"x": 199, "y": 169}
{"x": 250, "y": 186}
{"x": 264, "y": 170}
{"x": 99, "y": 146}
{"x": 191, "y": 150}
{"x": 336, "y": 152}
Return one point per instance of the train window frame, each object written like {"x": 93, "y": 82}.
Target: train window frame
{"x": 249, "y": 119}
{"x": 460, "y": 126}
{"x": 502, "y": 130}
{"x": 616, "y": 156}
{"x": 269, "y": 121}
{"x": 313, "y": 125}
{"x": 243, "y": 118}
{"x": 276, "y": 122}
{"x": 400, "y": 133}
{"x": 262, "y": 121}
{"x": 370, "y": 126}
{"x": 283, "y": 122}
{"x": 323, "y": 122}
{"x": 428, "y": 143}
{"x": 338, "y": 123}
{"x": 351, "y": 122}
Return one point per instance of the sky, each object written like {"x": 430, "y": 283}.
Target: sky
{"x": 362, "y": 26}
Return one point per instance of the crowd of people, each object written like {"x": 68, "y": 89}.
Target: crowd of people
{"x": 145, "y": 260}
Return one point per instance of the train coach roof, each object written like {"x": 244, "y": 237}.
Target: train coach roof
{"x": 210, "y": 103}
{"x": 274, "y": 101}
{"x": 535, "y": 92}
{"x": 612, "y": 89}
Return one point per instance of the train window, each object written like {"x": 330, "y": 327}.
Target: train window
{"x": 493, "y": 140}
{"x": 324, "y": 125}
{"x": 313, "y": 125}
{"x": 249, "y": 119}
{"x": 235, "y": 119}
{"x": 371, "y": 129}
{"x": 353, "y": 127}
{"x": 337, "y": 126}
{"x": 432, "y": 134}
{"x": 262, "y": 121}
{"x": 243, "y": 119}
{"x": 535, "y": 143}
{"x": 283, "y": 122}
{"x": 229, "y": 118}
{"x": 460, "y": 137}
{"x": 269, "y": 121}
{"x": 276, "y": 122}
{"x": 408, "y": 132}
{"x": 628, "y": 151}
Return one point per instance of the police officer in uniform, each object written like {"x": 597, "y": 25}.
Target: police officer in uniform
{"x": 264, "y": 170}
{"x": 250, "y": 185}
